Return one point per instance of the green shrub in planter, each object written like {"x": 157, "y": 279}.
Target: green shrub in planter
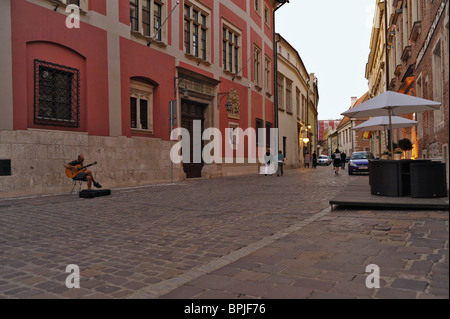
{"x": 405, "y": 144}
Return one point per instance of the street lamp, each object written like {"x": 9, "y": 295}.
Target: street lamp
{"x": 220, "y": 97}
{"x": 175, "y": 86}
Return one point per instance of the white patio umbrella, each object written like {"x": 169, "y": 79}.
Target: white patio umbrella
{"x": 389, "y": 104}
{"x": 380, "y": 123}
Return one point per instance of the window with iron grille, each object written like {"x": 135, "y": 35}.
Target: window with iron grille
{"x": 56, "y": 94}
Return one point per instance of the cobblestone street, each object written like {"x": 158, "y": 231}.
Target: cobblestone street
{"x": 235, "y": 237}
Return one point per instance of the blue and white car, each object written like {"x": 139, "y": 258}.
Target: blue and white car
{"x": 359, "y": 162}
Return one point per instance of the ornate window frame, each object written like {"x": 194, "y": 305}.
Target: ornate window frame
{"x": 143, "y": 121}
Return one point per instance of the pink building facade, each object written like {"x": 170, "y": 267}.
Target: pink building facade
{"x": 103, "y": 87}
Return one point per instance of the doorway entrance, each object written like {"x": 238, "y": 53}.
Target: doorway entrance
{"x": 191, "y": 111}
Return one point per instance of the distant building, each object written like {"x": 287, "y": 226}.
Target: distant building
{"x": 350, "y": 141}
{"x": 297, "y": 104}
{"x": 326, "y": 128}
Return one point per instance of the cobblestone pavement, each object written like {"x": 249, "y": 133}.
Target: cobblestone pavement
{"x": 235, "y": 237}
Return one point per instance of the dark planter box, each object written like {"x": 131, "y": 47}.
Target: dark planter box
{"x": 390, "y": 177}
{"x": 428, "y": 180}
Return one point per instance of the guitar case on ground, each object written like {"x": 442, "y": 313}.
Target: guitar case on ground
{"x": 91, "y": 193}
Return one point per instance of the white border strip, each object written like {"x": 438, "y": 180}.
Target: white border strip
{"x": 164, "y": 287}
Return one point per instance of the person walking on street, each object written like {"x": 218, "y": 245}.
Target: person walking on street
{"x": 314, "y": 157}
{"x": 307, "y": 160}
{"x": 343, "y": 158}
{"x": 281, "y": 159}
{"x": 337, "y": 161}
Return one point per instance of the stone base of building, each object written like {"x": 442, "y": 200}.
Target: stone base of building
{"x": 38, "y": 157}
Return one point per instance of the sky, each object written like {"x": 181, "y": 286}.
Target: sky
{"x": 333, "y": 40}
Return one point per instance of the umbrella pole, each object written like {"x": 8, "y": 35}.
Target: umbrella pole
{"x": 390, "y": 132}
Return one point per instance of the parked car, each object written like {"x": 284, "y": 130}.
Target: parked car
{"x": 323, "y": 160}
{"x": 359, "y": 162}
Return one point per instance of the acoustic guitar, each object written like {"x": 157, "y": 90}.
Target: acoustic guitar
{"x": 71, "y": 173}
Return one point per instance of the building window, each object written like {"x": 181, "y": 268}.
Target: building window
{"x": 297, "y": 103}
{"x": 82, "y": 4}
{"x": 134, "y": 15}
{"x": 146, "y": 18}
{"x": 289, "y": 96}
{"x": 268, "y": 74}
{"x": 76, "y": 2}
{"x": 266, "y": 16}
{"x": 415, "y": 10}
{"x": 157, "y": 19}
{"x": 257, "y": 66}
{"x": 258, "y": 6}
{"x": 195, "y": 32}
{"x": 141, "y": 106}
{"x": 438, "y": 86}
{"x": 259, "y": 129}
{"x": 280, "y": 92}
{"x": 56, "y": 94}
{"x": 303, "y": 108}
{"x": 231, "y": 49}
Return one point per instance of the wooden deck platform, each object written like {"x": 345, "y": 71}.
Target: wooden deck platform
{"x": 358, "y": 194}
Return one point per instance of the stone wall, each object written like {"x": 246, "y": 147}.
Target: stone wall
{"x": 37, "y": 159}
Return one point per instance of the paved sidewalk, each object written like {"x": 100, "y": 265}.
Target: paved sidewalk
{"x": 236, "y": 237}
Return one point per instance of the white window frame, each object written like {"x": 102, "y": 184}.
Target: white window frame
{"x": 142, "y": 91}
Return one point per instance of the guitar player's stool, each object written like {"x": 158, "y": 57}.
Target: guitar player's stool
{"x": 75, "y": 185}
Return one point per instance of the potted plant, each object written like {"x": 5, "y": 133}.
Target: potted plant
{"x": 405, "y": 145}
{"x": 385, "y": 154}
{"x": 398, "y": 154}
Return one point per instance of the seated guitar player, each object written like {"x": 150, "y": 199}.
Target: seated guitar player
{"x": 84, "y": 174}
